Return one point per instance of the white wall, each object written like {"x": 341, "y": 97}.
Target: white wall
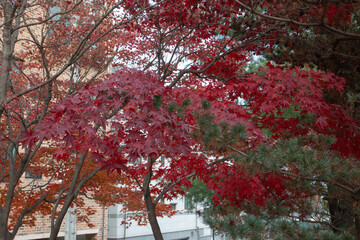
{"x": 183, "y": 225}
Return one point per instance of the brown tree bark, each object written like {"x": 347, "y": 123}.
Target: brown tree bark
{"x": 357, "y": 219}
{"x": 150, "y": 206}
{"x": 341, "y": 209}
{"x": 7, "y": 52}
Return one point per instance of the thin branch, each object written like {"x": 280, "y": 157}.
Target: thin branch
{"x": 238, "y": 151}
{"x": 171, "y": 185}
{"x": 220, "y": 55}
{"x": 288, "y": 20}
{"x": 48, "y": 18}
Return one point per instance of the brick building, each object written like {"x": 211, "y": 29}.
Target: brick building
{"x": 41, "y": 230}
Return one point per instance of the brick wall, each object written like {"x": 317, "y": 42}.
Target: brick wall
{"x": 41, "y": 230}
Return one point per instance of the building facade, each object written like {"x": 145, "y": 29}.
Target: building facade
{"x": 71, "y": 228}
{"x": 184, "y": 225}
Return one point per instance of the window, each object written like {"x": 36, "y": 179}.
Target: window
{"x": 54, "y": 10}
{"x": 187, "y": 203}
{"x": 33, "y": 174}
{"x": 162, "y": 158}
{"x": 173, "y": 206}
{"x": 138, "y": 161}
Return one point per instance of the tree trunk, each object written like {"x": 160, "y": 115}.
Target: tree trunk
{"x": 7, "y": 51}
{"x": 55, "y": 230}
{"x": 74, "y": 190}
{"x": 341, "y": 209}
{"x": 4, "y": 232}
{"x": 150, "y": 206}
{"x": 357, "y": 219}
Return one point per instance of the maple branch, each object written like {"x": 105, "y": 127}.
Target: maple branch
{"x": 174, "y": 53}
{"x": 136, "y": 180}
{"x": 150, "y": 63}
{"x": 73, "y": 191}
{"x": 23, "y": 73}
{"x": 148, "y": 176}
{"x": 29, "y": 209}
{"x": 40, "y": 186}
{"x": 77, "y": 52}
{"x": 288, "y": 20}
{"x": 15, "y": 175}
{"x": 72, "y": 90}
{"x": 56, "y": 205}
{"x": 47, "y": 72}
{"x": 26, "y": 211}
{"x": 41, "y": 49}
{"x": 159, "y": 53}
{"x": 69, "y": 197}
{"x": 171, "y": 185}
{"x": 17, "y": 21}
{"x": 80, "y": 50}
{"x": 220, "y": 55}
{"x": 48, "y": 18}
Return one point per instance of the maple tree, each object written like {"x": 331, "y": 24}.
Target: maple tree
{"x": 312, "y": 110}
{"x": 293, "y": 93}
{"x": 50, "y": 50}
{"x": 189, "y": 99}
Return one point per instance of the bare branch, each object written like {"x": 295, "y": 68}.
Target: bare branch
{"x": 321, "y": 24}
